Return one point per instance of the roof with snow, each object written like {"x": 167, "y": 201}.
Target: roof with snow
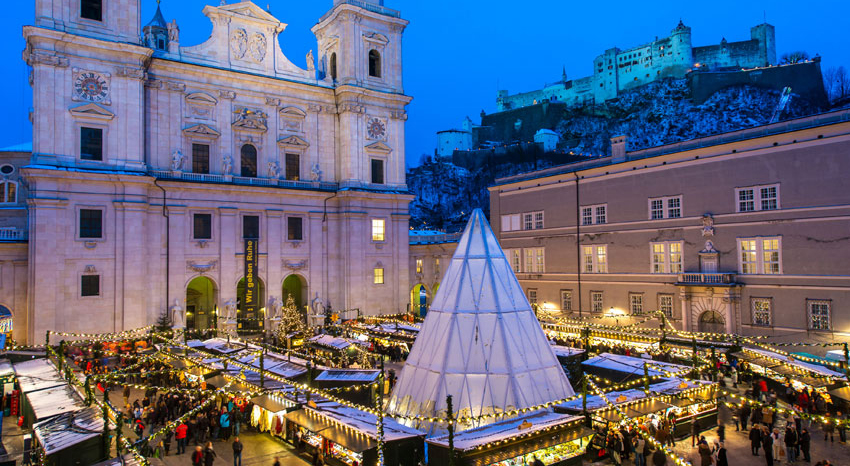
{"x": 22, "y": 147}
{"x": 68, "y": 429}
{"x": 480, "y": 342}
{"x": 505, "y": 430}
{"x": 632, "y": 365}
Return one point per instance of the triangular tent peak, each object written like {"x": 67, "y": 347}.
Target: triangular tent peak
{"x": 480, "y": 342}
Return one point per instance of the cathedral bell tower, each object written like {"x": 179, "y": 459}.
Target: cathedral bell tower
{"x": 360, "y": 44}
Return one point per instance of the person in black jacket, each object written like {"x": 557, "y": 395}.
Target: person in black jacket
{"x": 744, "y": 415}
{"x": 755, "y": 439}
{"x": 805, "y": 444}
{"x": 659, "y": 458}
{"x": 767, "y": 443}
{"x": 237, "y": 452}
{"x": 721, "y": 455}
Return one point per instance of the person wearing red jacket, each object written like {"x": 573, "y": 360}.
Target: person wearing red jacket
{"x": 180, "y": 435}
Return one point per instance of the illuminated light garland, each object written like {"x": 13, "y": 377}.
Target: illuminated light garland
{"x": 766, "y": 346}
{"x": 113, "y": 336}
{"x": 816, "y": 417}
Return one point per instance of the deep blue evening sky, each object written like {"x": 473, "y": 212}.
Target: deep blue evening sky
{"x": 456, "y": 53}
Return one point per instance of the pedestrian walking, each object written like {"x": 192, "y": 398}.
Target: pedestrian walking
{"x": 659, "y": 458}
{"x": 180, "y": 435}
{"x": 842, "y": 429}
{"x": 224, "y": 421}
{"x": 805, "y": 444}
{"x": 828, "y": 431}
{"x": 721, "y": 455}
{"x": 276, "y": 461}
{"x": 209, "y": 454}
{"x": 704, "y": 452}
{"x": 755, "y": 439}
{"x": 767, "y": 443}
{"x": 237, "y": 452}
{"x": 639, "y": 444}
{"x": 791, "y": 443}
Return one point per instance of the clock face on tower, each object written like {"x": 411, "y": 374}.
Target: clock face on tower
{"x": 91, "y": 86}
{"x": 376, "y": 128}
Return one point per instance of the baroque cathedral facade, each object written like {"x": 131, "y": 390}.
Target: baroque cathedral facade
{"x": 167, "y": 176}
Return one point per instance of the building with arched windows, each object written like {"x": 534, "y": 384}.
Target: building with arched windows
{"x": 161, "y": 171}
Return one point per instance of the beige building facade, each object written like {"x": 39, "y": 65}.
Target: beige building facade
{"x": 153, "y": 163}
{"x": 744, "y": 232}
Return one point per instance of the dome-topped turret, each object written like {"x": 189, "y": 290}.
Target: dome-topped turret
{"x": 156, "y": 31}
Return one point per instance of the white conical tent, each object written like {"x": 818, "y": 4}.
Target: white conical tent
{"x": 480, "y": 342}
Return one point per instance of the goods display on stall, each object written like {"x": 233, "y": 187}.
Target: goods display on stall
{"x": 553, "y": 438}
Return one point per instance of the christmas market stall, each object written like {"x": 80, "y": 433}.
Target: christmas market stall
{"x": 346, "y": 435}
{"x": 570, "y": 359}
{"x": 126, "y": 460}
{"x": 7, "y": 380}
{"x": 357, "y": 380}
{"x": 780, "y": 369}
{"x": 50, "y": 402}
{"x": 269, "y": 410}
{"x": 71, "y": 438}
{"x": 692, "y": 401}
{"x": 619, "y": 368}
{"x": 555, "y": 439}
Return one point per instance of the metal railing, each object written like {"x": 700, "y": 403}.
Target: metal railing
{"x": 12, "y": 234}
{"x": 440, "y": 238}
{"x": 707, "y": 278}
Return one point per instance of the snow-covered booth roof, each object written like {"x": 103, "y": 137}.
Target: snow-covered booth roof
{"x": 81, "y": 429}
{"x": 330, "y": 341}
{"x": 349, "y": 375}
{"x": 51, "y": 402}
{"x": 509, "y": 439}
{"x": 480, "y": 342}
{"x": 38, "y": 374}
{"x": 620, "y": 368}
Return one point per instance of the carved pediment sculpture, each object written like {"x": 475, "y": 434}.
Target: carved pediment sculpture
{"x": 250, "y": 119}
{"x": 293, "y": 142}
{"x": 91, "y": 110}
{"x": 292, "y": 119}
{"x": 201, "y": 130}
{"x": 201, "y": 268}
{"x": 295, "y": 265}
{"x": 376, "y": 36}
{"x": 379, "y": 146}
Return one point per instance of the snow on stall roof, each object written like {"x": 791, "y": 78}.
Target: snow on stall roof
{"x": 393, "y": 328}
{"x": 222, "y": 346}
{"x": 331, "y": 341}
{"x": 367, "y": 423}
{"x": 595, "y": 402}
{"x": 128, "y": 459}
{"x": 473, "y": 438}
{"x": 426, "y": 232}
{"x": 672, "y": 385}
{"x": 195, "y": 344}
{"x": 68, "y": 429}
{"x": 54, "y": 401}
{"x": 631, "y": 365}
{"x": 6, "y": 367}
{"x": 566, "y": 351}
{"x": 349, "y": 375}
{"x": 818, "y": 369}
{"x": 37, "y": 374}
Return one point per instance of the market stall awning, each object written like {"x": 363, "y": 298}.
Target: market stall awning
{"x": 649, "y": 406}
{"x": 842, "y": 393}
{"x": 611, "y": 415}
{"x": 54, "y": 401}
{"x": 69, "y": 429}
{"x": 525, "y": 425}
{"x": 126, "y": 460}
{"x": 271, "y": 403}
{"x": 631, "y": 365}
{"x": 308, "y": 420}
{"x": 38, "y": 374}
{"x": 356, "y": 442}
{"x": 349, "y": 375}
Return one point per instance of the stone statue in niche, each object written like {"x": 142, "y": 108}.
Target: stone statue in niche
{"x": 230, "y": 312}
{"x": 707, "y": 225}
{"x": 251, "y": 119}
{"x": 227, "y": 164}
{"x": 709, "y": 246}
{"x": 311, "y": 62}
{"x": 177, "y": 160}
{"x": 178, "y": 319}
{"x": 274, "y": 169}
{"x": 274, "y": 308}
{"x": 316, "y": 172}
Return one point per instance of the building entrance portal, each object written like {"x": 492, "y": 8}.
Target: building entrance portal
{"x": 201, "y": 299}
{"x": 712, "y": 322}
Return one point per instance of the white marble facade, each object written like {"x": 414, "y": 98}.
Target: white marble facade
{"x": 152, "y": 100}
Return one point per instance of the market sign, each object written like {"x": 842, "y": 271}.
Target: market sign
{"x": 251, "y": 296}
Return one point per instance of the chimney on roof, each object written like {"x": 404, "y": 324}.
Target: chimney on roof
{"x": 618, "y": 149}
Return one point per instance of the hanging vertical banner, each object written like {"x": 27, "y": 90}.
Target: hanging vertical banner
{"x": 249, "y": 299}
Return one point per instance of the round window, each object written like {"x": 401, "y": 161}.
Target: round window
{"x": 7, "y": 169}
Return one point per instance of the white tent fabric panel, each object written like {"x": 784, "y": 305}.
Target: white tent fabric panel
{"x": 480, "y": 342}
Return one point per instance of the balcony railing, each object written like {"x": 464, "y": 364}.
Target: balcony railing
{"x": 13, "y": 234}
{"x": 276, "y": 183}
{"x": 707, "y": 278}
{"x": 380, "y": 9}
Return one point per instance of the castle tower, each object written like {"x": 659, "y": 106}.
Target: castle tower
{"x": 156, "y": 31}
{"x": 766, "y": 35}
{"x": 681, "y": 49}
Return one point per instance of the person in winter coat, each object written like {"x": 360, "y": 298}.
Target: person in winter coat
{"x": 224, "y": 421}
{"x": 755, "y": 439}
{"x": 791, "y": 443}
{"x": 767, "y": 417}
{"x": 198, "y": 456}
{"x": 237, "y": 452}
{"x": 235, "y": 420}
{"x": 805, "y": 444}
{"x": 659, "y": 458}
{"x": 704, "y": 452}
{"x": 209, "y": 455}
{"x": 744, "y": 414}
{"x": 828, "y": 431}
{"x": 640, "y": 445}
{"x": 777, "y": 443}
{"x": 180, "y": 435}
{"x": 721, "y": 455}
{"x": 767, "y": 443}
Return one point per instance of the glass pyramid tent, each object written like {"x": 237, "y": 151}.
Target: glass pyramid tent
{"x": 480, "y": 342}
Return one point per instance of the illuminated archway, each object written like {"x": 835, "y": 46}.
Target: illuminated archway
{"x": 201, "y": 299}
{"x": 420, "y": 298}
{"x": 295, "y": 285}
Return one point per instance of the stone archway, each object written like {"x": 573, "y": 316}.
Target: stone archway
{"x": 420, "y": 298}
{"x": 248, "y": 323}
{"x": 201, "y": 303}
{"x": 295, "y": 285}
{"x": 712, "y": 322}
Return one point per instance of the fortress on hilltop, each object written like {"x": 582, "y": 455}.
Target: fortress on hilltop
{"x": 615, "y": 70}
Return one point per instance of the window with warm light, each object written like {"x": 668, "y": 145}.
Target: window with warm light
{"x": 596, "y": 303}
{"x": 595, "y": 258}
{"x": 665, "y": 304}
{"x": 8, "y": 192}
{"x": 418, "y": 265}
{"x": 378, "y": 275}
{"x": 761, "y": 311}
{"x": 378, "y": 229}
{"x": 636, "y": 303}
{"x": 667, "y": 257}
{"x": 760, "y": 255}
{"x": 566, "y": 300}
{"x": 819, "y": 313}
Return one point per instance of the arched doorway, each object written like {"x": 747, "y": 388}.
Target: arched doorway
{"x": 711, "y": 322}
{"x": 201, "y": 302}
{"x": 5, "y": 325}
{"x": 419, "y": 300}
{"x": 247, "y": 322}
{"x": 296, "y": 286}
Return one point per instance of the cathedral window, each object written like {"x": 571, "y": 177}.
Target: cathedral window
{"x": 374, "y": 63}
{"x": 91, "y": 143}
{"x": 202, "y": 226}
{"x": 91, "y": 9}
{"x": 90, "y": 285}
{"x": 248, "y": 161}
{"x": 333, "y": 66}
{"x": 91, "y": 223}
{"x": 377, "y": 171}
{"x": 293, "y": 167}
{"x": 8, "y": 192}
{"x": 200, "y": 158}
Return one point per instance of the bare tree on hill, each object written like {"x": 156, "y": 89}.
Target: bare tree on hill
{"x": 794, "y": 57}
{"x": 836, "y": 82}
